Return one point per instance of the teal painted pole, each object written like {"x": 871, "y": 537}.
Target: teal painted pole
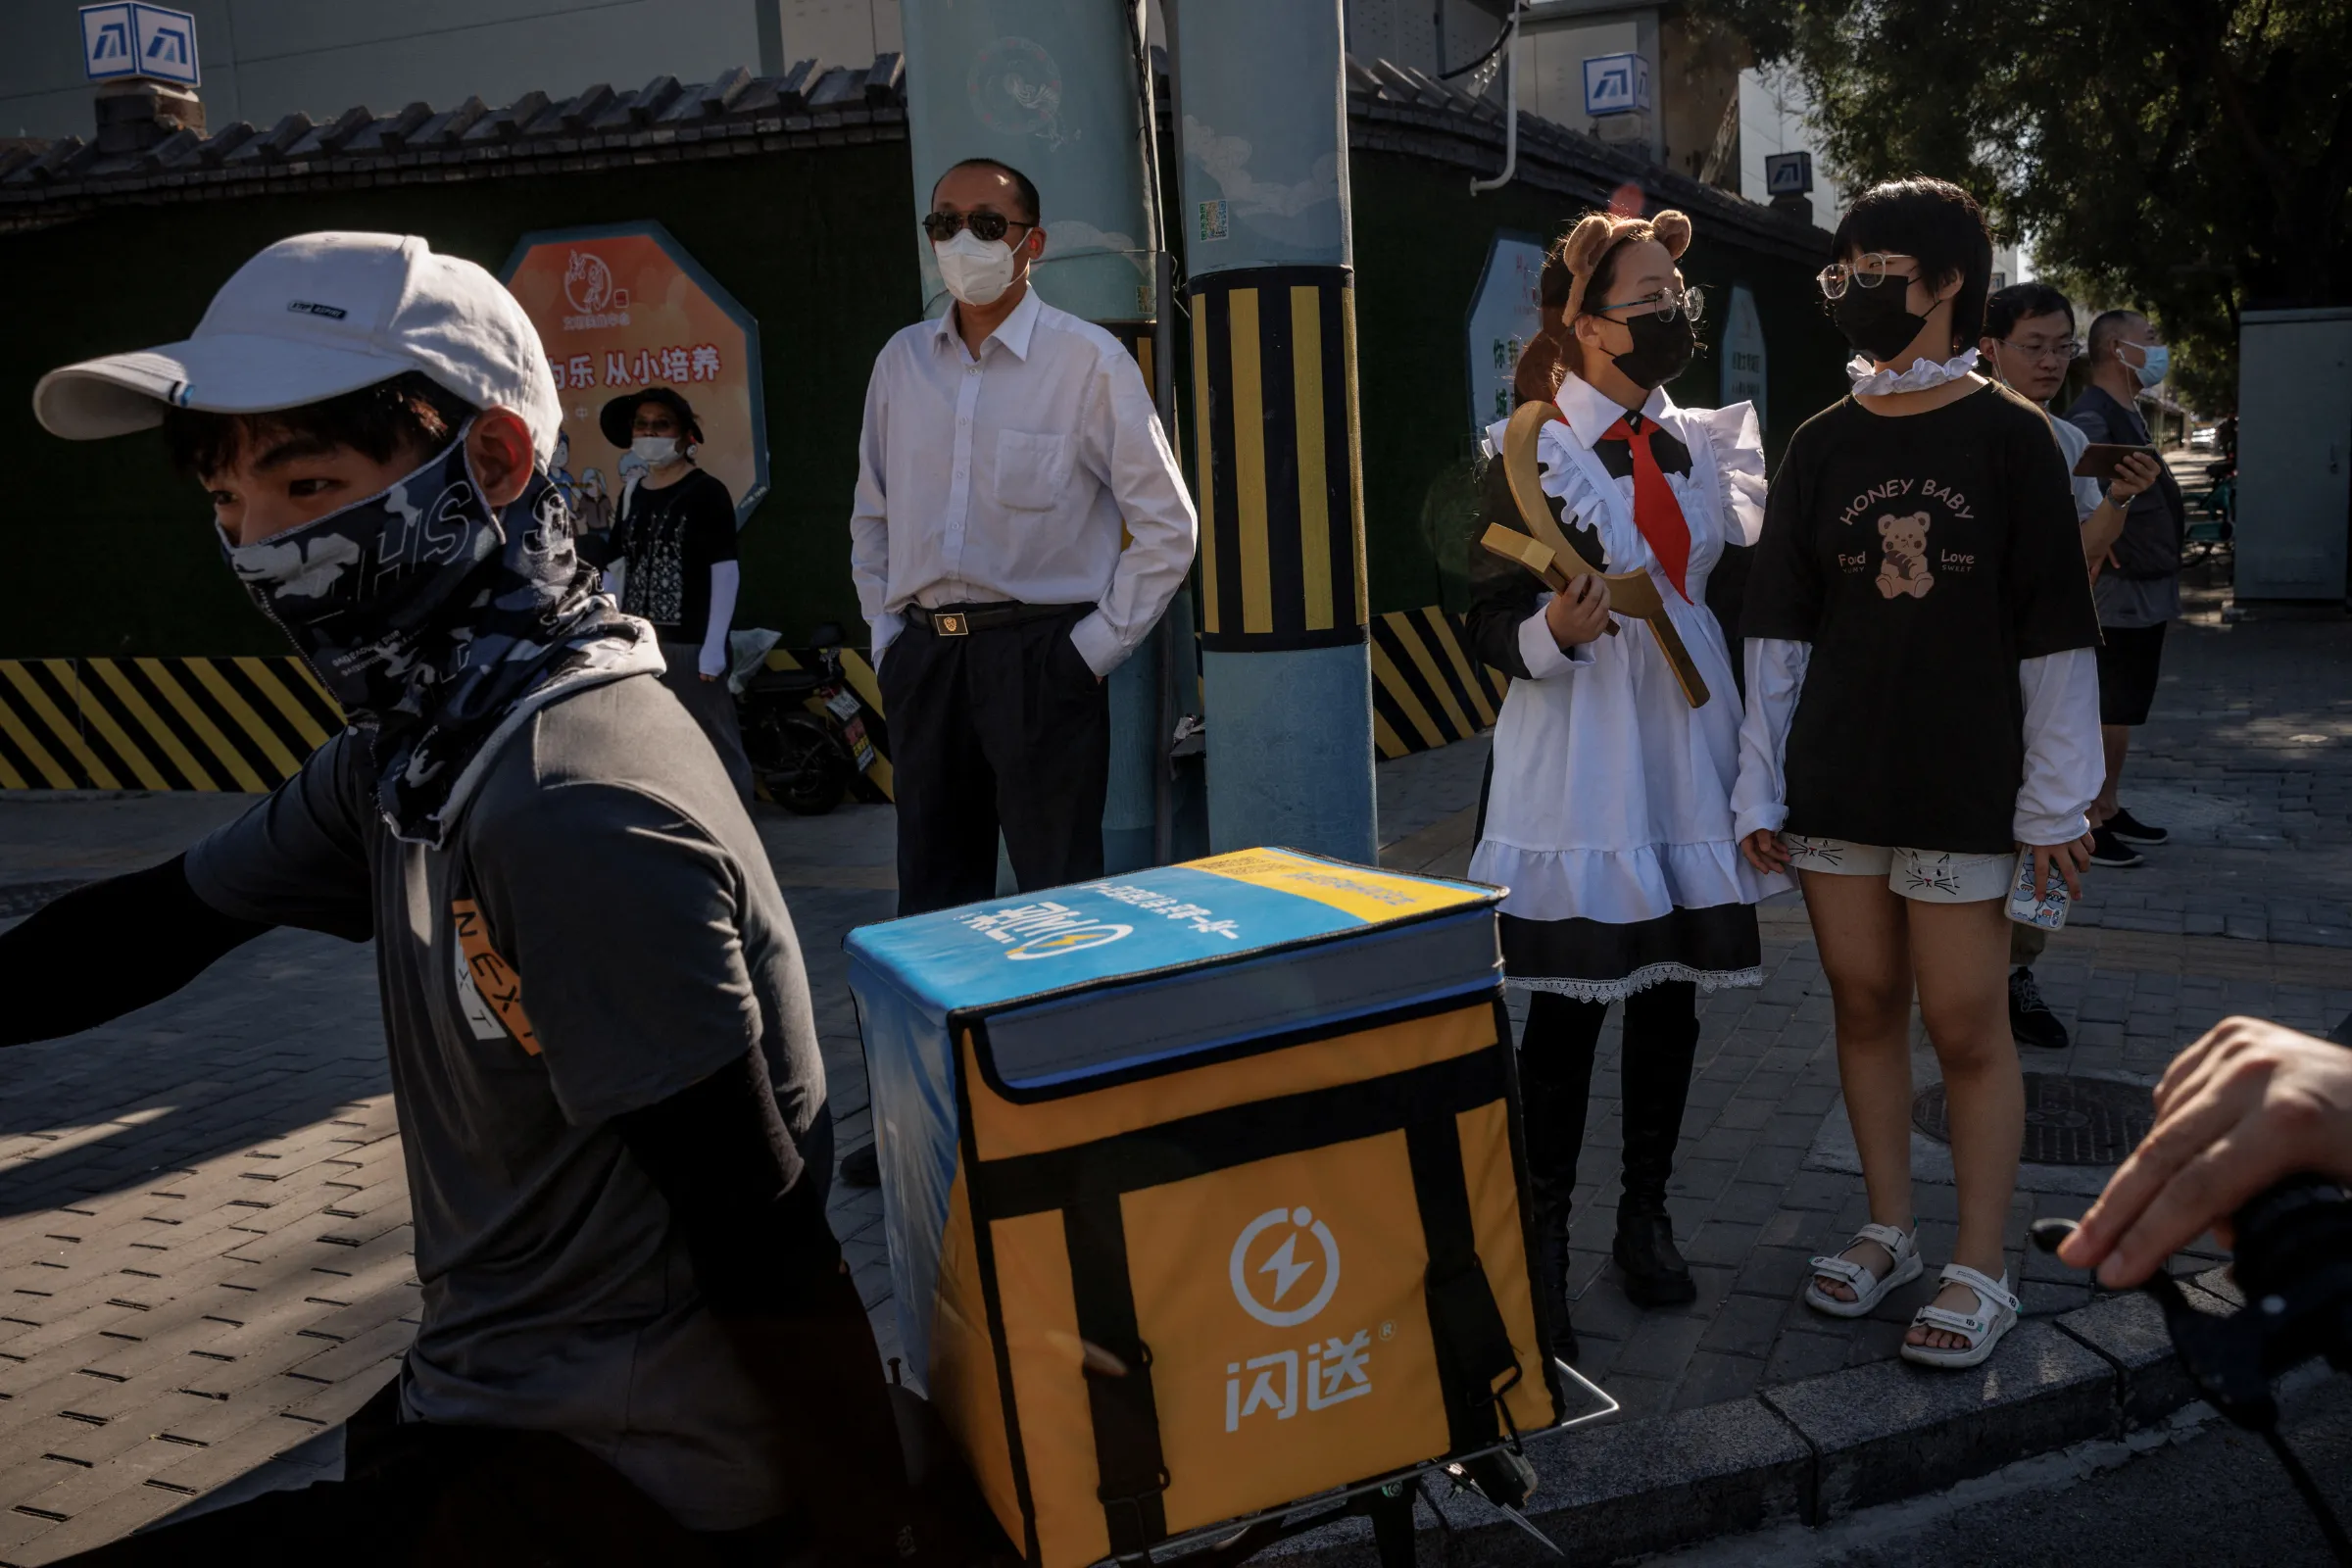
{"x": 1059, "y": 90}
{"x": 1262, "y": 94}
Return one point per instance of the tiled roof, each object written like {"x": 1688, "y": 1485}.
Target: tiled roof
{"x": 734, "y": 114}
{"x": 1390, "y": 108}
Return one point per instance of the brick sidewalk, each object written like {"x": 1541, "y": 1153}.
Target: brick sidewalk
{"x": 204, "y": 1240}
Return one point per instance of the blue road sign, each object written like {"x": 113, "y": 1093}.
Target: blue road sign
{"x": 1616, "y": 85}
{"x": 1787, "y": 174}
{"x": 138, "y": 40}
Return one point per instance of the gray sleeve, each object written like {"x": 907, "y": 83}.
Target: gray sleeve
{"x": 300, "y": 857}
{"x": 621, "y": 915}
{"x": 2090, "y": 421}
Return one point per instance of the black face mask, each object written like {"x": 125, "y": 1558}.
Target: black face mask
{"x": 1876, "y": 320}
{"x": 1661, "y": 350}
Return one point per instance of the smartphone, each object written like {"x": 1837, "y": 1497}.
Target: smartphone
{"x": 2047, "y": 909}
{"x": 2100, "y": 460}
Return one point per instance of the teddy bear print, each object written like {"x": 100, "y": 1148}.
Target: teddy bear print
{"x": 1905, "y": 569}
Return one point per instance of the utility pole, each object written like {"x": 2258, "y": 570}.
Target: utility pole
{"x": 1265, "y": 221}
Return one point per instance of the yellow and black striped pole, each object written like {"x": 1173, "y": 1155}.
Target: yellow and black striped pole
{"x": 1282, "y": 535}
{"x": 1280, "y": 460}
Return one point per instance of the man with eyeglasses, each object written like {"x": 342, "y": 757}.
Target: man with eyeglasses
{"x": 2139, "y": 592}
{"x": 2028, "y": 344}
{"x": 1007, "y": 445}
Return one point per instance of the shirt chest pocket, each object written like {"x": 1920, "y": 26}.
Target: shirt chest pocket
{"x": 1032, "y": 471}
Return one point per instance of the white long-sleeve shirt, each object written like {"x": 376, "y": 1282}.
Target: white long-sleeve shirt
{"x": 1010, "y": 477}
{"x": 2065, "y": 767}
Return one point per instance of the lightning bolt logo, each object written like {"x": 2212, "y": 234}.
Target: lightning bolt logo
{"x": 1284, "y": 1268}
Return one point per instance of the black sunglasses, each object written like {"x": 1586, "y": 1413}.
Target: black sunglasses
{"x": 942, "y": 226}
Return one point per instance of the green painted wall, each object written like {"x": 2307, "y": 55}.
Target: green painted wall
{"x": 110, "y": 553}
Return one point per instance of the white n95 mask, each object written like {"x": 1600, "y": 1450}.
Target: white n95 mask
{"x": 976, "y": 271}
{"x": 655, "y": 450}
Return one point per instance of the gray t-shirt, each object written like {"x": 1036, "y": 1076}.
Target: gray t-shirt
{"x": 2123, "y": 602}
{"x": 602, "y": 930}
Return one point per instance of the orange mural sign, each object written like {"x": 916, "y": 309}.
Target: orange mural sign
{"x": 622, "y": 308}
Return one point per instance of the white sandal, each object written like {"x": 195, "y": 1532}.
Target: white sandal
{"x": 1994, "y": 1317}
{"x": 1868, "y": 1290}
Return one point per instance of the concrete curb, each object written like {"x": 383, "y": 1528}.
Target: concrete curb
{"x": 1825, "y": 1446}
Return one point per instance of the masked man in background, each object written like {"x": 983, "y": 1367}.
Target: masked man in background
{"x": 1006, "y": 447}
{"x": 2138, "y": 593}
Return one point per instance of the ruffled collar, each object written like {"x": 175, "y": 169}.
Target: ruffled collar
{"x": 1869, "y": 379}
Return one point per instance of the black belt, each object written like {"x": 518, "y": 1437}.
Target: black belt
{"x": 961, "y": 621}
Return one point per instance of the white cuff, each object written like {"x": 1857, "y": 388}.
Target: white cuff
{"x": 882, "y": 632}
{"x": 1545, "y": 659}
{"x": 1097, "y": 644}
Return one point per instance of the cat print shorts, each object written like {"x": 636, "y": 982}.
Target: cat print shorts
{"x": 1930, "y": 876}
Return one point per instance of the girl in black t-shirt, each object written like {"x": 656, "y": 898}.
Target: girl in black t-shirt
{"x": 1921, "y": 702}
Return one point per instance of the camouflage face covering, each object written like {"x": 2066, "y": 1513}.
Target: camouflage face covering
{"x": 441, "y": 625}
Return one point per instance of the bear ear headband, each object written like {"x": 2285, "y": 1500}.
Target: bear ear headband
{"x": 1598, "y": 233}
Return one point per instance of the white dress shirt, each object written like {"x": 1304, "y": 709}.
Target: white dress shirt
{"x": 1009, "y": 478}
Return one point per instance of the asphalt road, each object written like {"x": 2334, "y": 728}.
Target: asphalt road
{"x": 2214, "y": 1498}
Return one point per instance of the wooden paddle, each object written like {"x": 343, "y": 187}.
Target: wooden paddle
{"x": 1630, "y": 592}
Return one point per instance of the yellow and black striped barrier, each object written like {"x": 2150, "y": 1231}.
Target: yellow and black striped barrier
{"x": 246, "y": 724}
{"x": 242, "y": 724}
{"x": 1428, "y": 688}
{"x": 1281, "y": 460}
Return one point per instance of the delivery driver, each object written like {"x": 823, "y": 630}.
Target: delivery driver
{"x": 639, "y": 1343}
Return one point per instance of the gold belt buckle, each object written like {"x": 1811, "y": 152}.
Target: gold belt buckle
{"x": 951, "y": 625}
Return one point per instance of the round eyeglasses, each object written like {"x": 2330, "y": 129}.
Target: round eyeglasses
{"x": 986, "y": 226}
{"x": 1666, "y": 305}
{"x": 1867, "y": 270}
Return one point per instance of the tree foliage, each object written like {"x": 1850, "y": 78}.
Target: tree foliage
{"x": 2190, "y": 156}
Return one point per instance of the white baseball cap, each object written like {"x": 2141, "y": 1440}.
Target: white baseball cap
{"x": 314, "y": 316}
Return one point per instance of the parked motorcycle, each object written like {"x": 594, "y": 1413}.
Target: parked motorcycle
{"x": 806, "y": 728}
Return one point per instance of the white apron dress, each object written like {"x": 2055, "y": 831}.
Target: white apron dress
{"x": 1610, "y": 818}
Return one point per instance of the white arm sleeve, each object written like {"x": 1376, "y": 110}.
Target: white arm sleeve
{"x": 1775, "y": 676}
{"x": 1545, "y": 659}
{"x": 726, "y": 580}
{"x": 2065, "y": 764}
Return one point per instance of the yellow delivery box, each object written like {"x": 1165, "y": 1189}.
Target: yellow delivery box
{"x": 1202, "y": 1190}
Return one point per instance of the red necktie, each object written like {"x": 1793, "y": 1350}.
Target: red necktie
{"x": 1656, "y": 513}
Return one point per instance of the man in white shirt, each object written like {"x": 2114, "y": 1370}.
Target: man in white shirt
{"x": 2028, "y": 344}
{"x": 1020, "y": 524}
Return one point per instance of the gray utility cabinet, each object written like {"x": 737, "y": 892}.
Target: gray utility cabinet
{"x": 2294, "y": 453}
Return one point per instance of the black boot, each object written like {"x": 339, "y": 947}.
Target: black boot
{"x": 1555, "y": 1072}
{"x": 1661, "y": 1039}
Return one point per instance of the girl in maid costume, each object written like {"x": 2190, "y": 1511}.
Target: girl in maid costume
{"x": 1609, "y": 816}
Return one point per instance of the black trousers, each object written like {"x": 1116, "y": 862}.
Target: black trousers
{"x": 1004, "y": 729}
{"x": 1555, "y": 1075}
{"x": 416, "y": 1494}
{"x": 713, "y": 708}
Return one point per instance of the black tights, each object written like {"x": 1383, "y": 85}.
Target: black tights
{"x": 1556, "y": 1074}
